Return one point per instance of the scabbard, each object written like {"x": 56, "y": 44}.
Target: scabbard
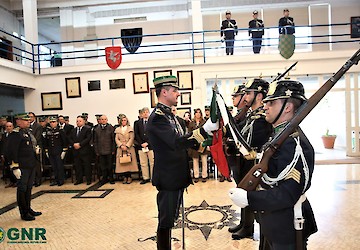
{"x": 299, "y": 240}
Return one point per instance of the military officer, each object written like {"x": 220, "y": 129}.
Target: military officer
{"x": 228, "y": 32}
{"x": 280, "y": 200}
{"x": 256, "y": 31}
{"x": 286, "y": 23}
{"x": 86, "y": 117}
{"x": 55, "y": 145}
{"x": 22, "y": 156}
{"x": 171, "y": 165}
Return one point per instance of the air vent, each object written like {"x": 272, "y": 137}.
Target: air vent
{"x": 130, "y": 19}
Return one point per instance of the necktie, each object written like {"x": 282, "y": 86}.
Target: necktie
{"x": 78, "y": 131}
{"x": 145, "y": 122}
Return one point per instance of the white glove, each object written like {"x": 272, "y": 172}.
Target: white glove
{"x": 37, "y": 150}
{"x": 210, "y": 126}
{"x": 63, "y": 153}
{"x": 47, "y": 155}
{"x": 239, "y": 197}
{"x": 222, "y": 39}
{"x": 17, "y": 173}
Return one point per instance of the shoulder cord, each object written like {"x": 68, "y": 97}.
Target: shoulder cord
{"x": 298, "y": 152}
{"x": 248, "y": 128}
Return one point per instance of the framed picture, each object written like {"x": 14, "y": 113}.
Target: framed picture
{"x": 185, "y": 79}
{"x": 117, "y": 83}
{"x": 51, "y": 101}
{"x": 141, "y": 82}
{"x": 167, "y": 72}
{"x": 94, "y": 85}
{"x": 153, "y": 97}
{"x": 355, "y": 27}
{"x": 185, "y": 98}
{"x": 181, "y": 111}
{"x": 73, "y": 89}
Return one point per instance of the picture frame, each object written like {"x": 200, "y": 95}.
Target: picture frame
{"x": 94, "y": 85}
{"x": 185, "y": 79}
{"x": 181, "y": 111}
{"x": 159, "y": 73}
{"x": 355, "y": 27}
{"x": 141, "y": 82}
{"x": 73, "y": 89}
{"x": 153, "y": 97}
{"x": 117, "y": 83}
{"x": 51, "y": 101}
{"x": 185, "y": 98}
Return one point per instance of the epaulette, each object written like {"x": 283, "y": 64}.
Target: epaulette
{"x": 17, "y": 129}
{"x": 159, "y": 112}
{"x": 295, "y": 134}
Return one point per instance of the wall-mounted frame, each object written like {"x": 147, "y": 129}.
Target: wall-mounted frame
{"x": 73, "y": 88}
{"x": 117, "y": 83}
{"x": 51, "y": 101}
{"x": 181, "y": 111}
{"x": 185, "y": 98}
{"x": 185, "y": 79}
{"x": 153, "y": 97}
{"x": 159, "y": 73}
{"x": 355, "y": 27}
{"x": 141, "y": 82}
{"x": 94, "y": 85}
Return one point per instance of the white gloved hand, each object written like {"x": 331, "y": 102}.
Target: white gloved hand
{"x": 239, "y": 197}
{"x": 47, "y": 155}
{"x": 17, "y": 173}
{"x": 222, "y": 39}
{"x": 210, "y": 126}
{"x": 37, "y": 150}
{"x": 62, "y": 156}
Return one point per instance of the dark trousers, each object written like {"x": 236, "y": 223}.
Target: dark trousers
{"x": 106, "y": 166}
{"x": 266, "y": 244}
{"x": 58, "y": 167}
{"x": 257, "y": 41}
{"x": 82, "y": 165}
{"x": 38, "y": 171}
{"x": 234, "y": 164}
{"x": 229, "y": 42}
{"x": 168, "y": 203}
{"x": 24, "y": 187}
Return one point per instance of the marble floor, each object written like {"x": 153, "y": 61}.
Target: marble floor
{"x": 125, "y": 217}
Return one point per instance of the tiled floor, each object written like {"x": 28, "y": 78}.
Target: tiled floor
{"x": 125, "y": 218}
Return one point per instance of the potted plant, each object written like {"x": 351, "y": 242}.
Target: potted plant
{"x": 328, "y": 140}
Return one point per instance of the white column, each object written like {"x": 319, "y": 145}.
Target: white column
{"x": 67, "y": 34}
{"x": 30, "y": 25}
{"x": 197, "y": 25}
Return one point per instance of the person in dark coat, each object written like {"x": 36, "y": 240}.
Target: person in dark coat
{"x": 286, "y": 24}
{"x": 256, "y": 31}
{"x": 23, "y": 160}
{"x": 171, "y": 167}
{"x": 9, "y": 127}
{"x": 36, "y": 130}
{"x": 228, "y": 32}
{"x": 279, "y": 201}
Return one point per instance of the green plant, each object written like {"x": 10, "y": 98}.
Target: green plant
{"x": 327, "y": 133}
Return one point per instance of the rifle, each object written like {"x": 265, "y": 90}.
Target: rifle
{"x": 253, "y": 177}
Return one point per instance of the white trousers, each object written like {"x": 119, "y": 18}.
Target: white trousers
{"x": 145, "y": 159}
{"x": 204, "y": 169}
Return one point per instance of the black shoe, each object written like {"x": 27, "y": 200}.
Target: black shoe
{"x": 88, "y": 183}
{"x": 235, "y": 228}
{"x": 229, "y": 179}
{"x": 60, "y": 184}
{"x": 222, "y": 178}
{"x": 78, "y": 182}
{"x": 112, "y": 182}
{"x": 27, "y": 217}
{"x": 33, "y": 213}
{"x": 203, "y": 180}
{"x": 244, "y": 232}
{"x": 37, "y": 184}
{"x": 196, "y": 180}
{"x": 144, "y": 181}
{"x": 53, "y": 183}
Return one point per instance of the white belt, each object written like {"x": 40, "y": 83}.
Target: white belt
{"x": 298, "y": 216}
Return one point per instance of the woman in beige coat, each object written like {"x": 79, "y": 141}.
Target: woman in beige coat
{"x": 124, "y": 139}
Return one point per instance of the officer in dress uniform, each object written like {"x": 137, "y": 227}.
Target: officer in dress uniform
{"x": 279, "y": 200}
{"x": 286, "y": 24}
{"x": 55, "y": 145}
{"x": 256, "y": 31}
{"x": 171, "y": 165}
{"x": 228, "y": 32}
{"x": 256, "y": 131}
{"x": 22, "y": 156}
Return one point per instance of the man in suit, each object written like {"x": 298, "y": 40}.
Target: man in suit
{"x": 64, "y": 126}
{"x": 9, "y": 127}
{"x": 146, "y": 154}
{"x": 36, "y": 130}
{"x": 79, "y": 141}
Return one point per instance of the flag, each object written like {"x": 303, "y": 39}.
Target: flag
{"x": 286, "y": 45}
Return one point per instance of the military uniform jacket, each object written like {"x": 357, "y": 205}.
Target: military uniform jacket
{"x": 171, "y": 165}
{"x": 55, "y": 141}
{"x": 229, "y": 28}
{"x": 21, "y": 149}
{"x": 256, "y": 28}
{"x": 275, "y": 205}
{"x": 289, "y": 22}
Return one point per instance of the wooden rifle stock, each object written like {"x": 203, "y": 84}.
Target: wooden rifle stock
{"x": 253, "y": 177}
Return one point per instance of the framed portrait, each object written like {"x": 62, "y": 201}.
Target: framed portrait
{"x": 185, "y": 79}
{"x": 51, "y": 101}
{"x": 167, "y": 72}
{"x": 181, "y": 111}
{"x": 153, "y": 97}
{"x": 94, "y": 85}
{"x": 117, "y": 83}
{"x": 73, "y": 88}
{"x": 355, "y": 27}
{"x": 185, "y": 98}
{"x": 141, "y": 82}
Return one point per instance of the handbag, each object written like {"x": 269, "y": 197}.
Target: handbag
{"x": 125, "y": 158}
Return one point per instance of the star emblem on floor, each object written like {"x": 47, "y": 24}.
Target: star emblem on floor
{"x": 207, "y": 217}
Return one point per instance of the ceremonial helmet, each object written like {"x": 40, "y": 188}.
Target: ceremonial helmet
{"x": 238, "y": 90}
{"x": 257, "y": 85}
{"x": 285, "y": 89}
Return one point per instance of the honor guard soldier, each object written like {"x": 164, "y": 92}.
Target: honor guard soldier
{"x": 171, "y": 165}
{"x": 286, "y": 24}
{"x": 55, "y": 145}
{"x": 23, "y": 160}
{"x": 228, "y": 32}
{"x": 256, "y": 131}
{"x": 207, "y": 112}
{"x": 256, "y": 31}
{"x": 285, "y": 215}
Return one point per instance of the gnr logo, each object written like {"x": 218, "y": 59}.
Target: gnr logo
{"x": 23, "y": 235}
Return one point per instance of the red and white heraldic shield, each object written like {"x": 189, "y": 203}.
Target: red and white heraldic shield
{"x": 113, "y": 56}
